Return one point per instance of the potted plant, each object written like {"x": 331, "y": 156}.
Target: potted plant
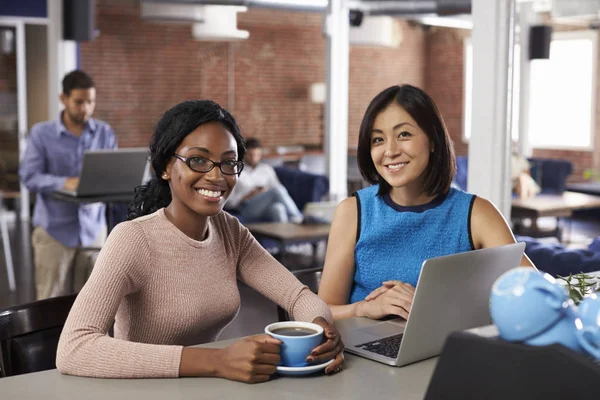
{"x": 580, "y": 285}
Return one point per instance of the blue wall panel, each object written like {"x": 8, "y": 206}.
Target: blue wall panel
{"x": 24, "y": 8}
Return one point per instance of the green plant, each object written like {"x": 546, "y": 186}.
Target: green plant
{"x": 591, "y": 174}
{"x": 579, "y": 285}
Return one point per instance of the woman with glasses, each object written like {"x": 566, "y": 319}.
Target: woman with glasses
{"x": 168, "y": 276}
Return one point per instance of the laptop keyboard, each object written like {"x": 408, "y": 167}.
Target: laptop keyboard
{"x": 388, "y": 346}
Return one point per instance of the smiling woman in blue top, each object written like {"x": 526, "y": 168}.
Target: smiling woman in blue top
{"x": 52, "y": 161}
{"x": 380, "y": 237}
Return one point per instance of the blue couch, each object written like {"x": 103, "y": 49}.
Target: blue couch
{"x": 303, "y": 187}
{"x": 554, "y": 259}
{"x": 550, "y": 174}
{"x": 557, "y": 260}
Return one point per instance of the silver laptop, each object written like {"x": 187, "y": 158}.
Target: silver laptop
{"x": 106, "y": 172}
{"x": 452, "y": 294}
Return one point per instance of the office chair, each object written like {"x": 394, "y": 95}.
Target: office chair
{"x": 8, "y": 260}
{"x": 29, "y": 335}
{"x": 311, "y": 278}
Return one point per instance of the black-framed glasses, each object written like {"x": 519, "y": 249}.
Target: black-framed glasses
{"x": 201, "y": 164}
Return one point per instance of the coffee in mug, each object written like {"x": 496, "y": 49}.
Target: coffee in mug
{"x": 298, "y": 340}
{"x": 294, "y": 331}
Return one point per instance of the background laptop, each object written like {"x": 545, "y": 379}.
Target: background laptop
{"x": 452, "y": 294}
{"x": 319, "y": 211}
{"x": 106, "y": 172}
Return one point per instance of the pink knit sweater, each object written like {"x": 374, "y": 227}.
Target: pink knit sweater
{"x": 164, "y": 291}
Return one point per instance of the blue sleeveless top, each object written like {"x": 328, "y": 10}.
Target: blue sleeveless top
{"x": 393, "y": 240}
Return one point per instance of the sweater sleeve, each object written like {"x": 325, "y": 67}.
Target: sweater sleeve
{"x": 258, "y": 269}
{"x": 84, "y": 347}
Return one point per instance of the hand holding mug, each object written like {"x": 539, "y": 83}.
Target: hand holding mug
{"x": 251, "y": 360}
{"x": 332, "y": 348}
{"x": 308, "y": 343}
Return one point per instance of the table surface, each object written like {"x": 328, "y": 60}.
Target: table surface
{"x": 290, "y": 231}
{"x": 10, "y": 194}
{"x": 108, "y": 198}
{"x": 360, "y": 379}
{"x": 568, "y": 201}
{"x": 585, "y": 187}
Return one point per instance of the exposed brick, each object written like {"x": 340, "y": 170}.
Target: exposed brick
{"x": 142, "y": 68}
{"x": 444, "y": 77}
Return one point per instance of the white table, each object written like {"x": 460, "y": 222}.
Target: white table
{"x": 360, "y": 379}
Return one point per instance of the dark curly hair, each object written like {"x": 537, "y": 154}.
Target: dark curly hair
{"x": 173, "y": 127}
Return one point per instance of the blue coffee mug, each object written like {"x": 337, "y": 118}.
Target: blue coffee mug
{"x": 589, "y": 334}
{"x": 294, "y": 349}
{"x": 525, "y": 303}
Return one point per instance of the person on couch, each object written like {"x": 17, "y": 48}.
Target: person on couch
{"x": 380, "y": 237}
{"x": 523, "y": 184}
{"x": 258, "y": 195}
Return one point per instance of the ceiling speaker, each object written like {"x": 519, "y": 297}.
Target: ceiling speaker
{"x": 540, "y": 37}
{"x": 79, "y": 19}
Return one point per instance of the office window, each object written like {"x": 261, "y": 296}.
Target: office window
{"x": 561, "y": 93}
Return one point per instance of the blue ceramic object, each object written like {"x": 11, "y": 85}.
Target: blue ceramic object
{"x": 564, "y": 332}
{"x": 589, "y": 334}
{"x": 525, "y": 303}
{"x": 295, "y": 349}
{"x": 307, "y": 370}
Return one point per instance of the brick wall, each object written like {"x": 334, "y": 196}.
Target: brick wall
{"x": 8, "y": 106}
{"x": 373, "y": 69}
{"x": 444, "y": 79}
{"x": 142, "y": 68}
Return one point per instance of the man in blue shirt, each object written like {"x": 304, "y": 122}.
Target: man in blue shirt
{"x": 52, "y": 161}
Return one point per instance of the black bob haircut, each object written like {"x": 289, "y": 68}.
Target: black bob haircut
{"x": 442, "y": 162}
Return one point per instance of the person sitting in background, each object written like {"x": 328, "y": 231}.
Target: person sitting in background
{"x": 258, "y": 195}
{"x": 523, "y": 185}
{"x": 168, "y": 276}
{"x": 53, "y": 160}
{"x": 381, "y": 236}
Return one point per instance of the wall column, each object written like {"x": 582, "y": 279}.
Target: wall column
{"x": 490, "y": 143}
{"x": 526, "y": 17}
{"x": 337, "y": 32}
{"x": 62, "y": 56}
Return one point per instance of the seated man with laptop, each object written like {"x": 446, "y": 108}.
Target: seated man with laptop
{"x": 53, "y": 161}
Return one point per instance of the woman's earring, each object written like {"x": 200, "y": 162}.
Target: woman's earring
{"x": 165, "y": 176}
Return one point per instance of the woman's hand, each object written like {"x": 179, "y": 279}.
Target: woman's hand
{"x": 387, "y": 285}
{"x": 394, "y": 297}
{"x": 332, "y": 348}
{"x": 251, "y": 360}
